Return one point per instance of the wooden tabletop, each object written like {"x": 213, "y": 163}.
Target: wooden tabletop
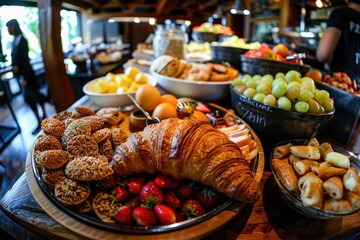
{"x": 268, "y": 218}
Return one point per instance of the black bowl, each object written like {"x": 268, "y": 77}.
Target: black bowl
{"x": 202, "y": 37}
{"x": 252, "y": 66}
{"x": 221, "y": 54}
{"x": 273, "y": 124}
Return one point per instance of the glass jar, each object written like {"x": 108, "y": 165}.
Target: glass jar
{"x": 169, "y": 40}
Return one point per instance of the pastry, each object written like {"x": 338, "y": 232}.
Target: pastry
{"x": 334, "y": 187}
{"x": 324, "y": 149}
{"x": 338, "y": 206}
{"x": 350, "y": 179}
{"x": 302, "y": 167}
{"x": 327, "y": 172}
{"x": 310, "y": 176}
{"x": 282, "y": 151}
{"x": 338, "y": 159}
{"x": 188, "y": 149}
{"x": 309, "y": 152}
{"x": 285, "y": 172}
{"x": 312, "y": 194}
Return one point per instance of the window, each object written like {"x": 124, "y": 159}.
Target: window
{"x": 70, "y": 29}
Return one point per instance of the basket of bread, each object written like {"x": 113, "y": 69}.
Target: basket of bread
{"x": 318, "y": 180}
{"x": 205, "y": 82}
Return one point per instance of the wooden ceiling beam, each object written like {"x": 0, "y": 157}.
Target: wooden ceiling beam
{"x": 165, "y": 6}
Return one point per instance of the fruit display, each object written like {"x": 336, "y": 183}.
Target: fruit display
{"x": 214, "y": 28}
{"x": 320, "y": 178}
{"x": 278, "y": 53}
{"x": 342, "y": 81}
{"x": 195, "y": 47}
{"x": 236, "y": 42}
{"x": 287, "y": 91}
{"x": 130, "y": 81}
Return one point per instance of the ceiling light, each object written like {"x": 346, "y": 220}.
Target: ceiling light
{"x": 238, "y": 8}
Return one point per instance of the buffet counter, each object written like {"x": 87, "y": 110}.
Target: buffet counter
{"x": 268, "y": 218}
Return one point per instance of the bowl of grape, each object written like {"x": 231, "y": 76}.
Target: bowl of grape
{"x": 282, "y": 106}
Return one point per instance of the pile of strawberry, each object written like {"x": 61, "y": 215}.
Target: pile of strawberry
{"x": 149, "y": 201}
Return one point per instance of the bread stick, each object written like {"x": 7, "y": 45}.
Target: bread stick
{"x": 285, "y": 172}
{"x": 334, "y": 187}
{"x": 302, "y": 167}
{"x": 324, "y": 149}
{"x": 327, "y": 172}
{"x": 338, "y": 159}
{"x": 309, "y": 152}
{"x": 312, "y": 194}
{"x": 282, "y": 151}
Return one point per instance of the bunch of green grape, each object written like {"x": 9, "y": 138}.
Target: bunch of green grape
{"x": 287, "y": 91}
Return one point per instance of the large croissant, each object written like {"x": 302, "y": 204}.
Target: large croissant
{"x": 188, "y": 149}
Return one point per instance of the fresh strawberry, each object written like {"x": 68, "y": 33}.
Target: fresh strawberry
{"x": 107, "y": 183}
{"x": 151, "y": 194}
{"x": 165, "y": 214}
{"x": 191, "y": 208}
{"x": 184, "y": 192}
{"x": 134, "y": 202}
{"x": 144, "y": 216}
{"x": 121, "y": 194}
{"x": 165, "y": 181}
{"x": 171, "y": 200}
{"x": 123, "y": 215}
{"x": 202, "y": 107}
{"x": 135, "y": 185}
{"x": 208, "y": 197}
{"x": 179, "y": 218}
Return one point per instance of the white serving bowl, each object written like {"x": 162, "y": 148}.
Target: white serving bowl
{"x": 111, "y": 99}
{"x": 202, "y": 91}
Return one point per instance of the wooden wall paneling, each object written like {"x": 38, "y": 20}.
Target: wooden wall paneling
{"x": 58, "y": 80}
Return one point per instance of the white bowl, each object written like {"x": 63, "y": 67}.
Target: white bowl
{"x": 203, "y": 91}
{"x": 111, "y": 99}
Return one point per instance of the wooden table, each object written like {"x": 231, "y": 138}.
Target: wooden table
{"x": 267, "y": 218}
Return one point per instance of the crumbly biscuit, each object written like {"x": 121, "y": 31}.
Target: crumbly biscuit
{"x": 88, "y": 168}
{"x": 46, "y": 142}
{"x": 111, "y": 115}
{"x": 101, "y": 134}
{"x": 82, "y": 145}
{"x": 52, "y": 159}
{"x": 84, "y": 111}
{"x": 77, "y": 127}
{"x": 71, "y": 192}
{"x": 96, "y": 122}
{"x": 105, "y": 148}
{"x": 62, "y": 116}
{"x": 103, "y": 207}
{"x": 54, "y": 127}
{"x": 85, "y": 207}
{"x": 51, "y": 177}
{"x": 118, "y": 137}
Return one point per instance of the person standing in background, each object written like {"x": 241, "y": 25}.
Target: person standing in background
{"x": 340, "y": 43}
{"x": 22, "y": 67}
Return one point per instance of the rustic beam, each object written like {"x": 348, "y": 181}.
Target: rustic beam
{"x": 58, "y": 80}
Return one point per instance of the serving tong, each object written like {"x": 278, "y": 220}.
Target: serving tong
{"x": 149, "y": 118}
{"x": 295, "y": 56}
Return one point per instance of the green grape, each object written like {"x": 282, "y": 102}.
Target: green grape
{"x": 293, "y": 83}
{"x": 267, "y": 78}
{"x": 263, "y": 87}
{"x": 328, "y": 105}
{"x": 302, "y": 107}
{"x": 279, "y": 89}
{"x": 251, "y": 84}
{"x": 292, "y": 75}
{"x": 293, "y": 92}
{"x": 270, "y": 100}
{"x": 314, "y": 106}
{"x": 240, "y": 89}
{"x": 284, "y": 103}
{"x": 305, "y": 95}
{"x": 308, "y": 85}
{"x": 246, "y": 78}
{"x": 322, "y": 109}
{"x": 321, "y": 95}
{"x": 250, "y": 92}
{"x": 237, "y": 82}
{"x": 256, "y": 77}
{"x": 259, "y": 97}
{"x": 277, "y": 80}
{"x": 280, "y": 75}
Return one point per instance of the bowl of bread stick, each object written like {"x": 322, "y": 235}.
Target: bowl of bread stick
{"x": 317, "y": 179}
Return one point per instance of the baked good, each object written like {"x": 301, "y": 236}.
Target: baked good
{"x": 53, "y": 127}
{"x": 160, "y": 63}
{"x": 338, "y": 159}
{"x": 312, "y": 194}
{"x": 353, "y": 199}
{"x": 327, "y": 172}
{"x": 302, "y": 167}
{"x": 188, "y": 149}
{"x": 285, "y": 172}
{"x": 309, "y": 152}
{"x": 84, "y": 111}
{"x": 282, "y": 151}
{"x": 310, "y": 176}
{"x": 313, "y": 142}
{"x": 324, "y": 149}
{"x": 334, "y": 187}
{"x": 350, "y": 179}
{"x": 339, "y": 206}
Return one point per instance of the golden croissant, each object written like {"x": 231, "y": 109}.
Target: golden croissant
{"x": 188, "y": 149}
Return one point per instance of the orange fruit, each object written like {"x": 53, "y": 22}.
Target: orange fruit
{"x": 169, "y": 98}
{"x": 164, "y": 110}
{"x": 315, "y": 74}
{"x": 200, "y": 115}
{"x": 148, "y": 97}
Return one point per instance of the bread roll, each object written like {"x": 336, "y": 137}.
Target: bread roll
{"x": 338, "y": 206}
{"x": 285, "y": 172}
{"x": 309, "y": 152}
{"x": 282, "y": 151}
{"x": 327, "y": 172}
{"x": 338, "y": 159}
{"x": 312, "y": 194}
{"x": 353, "y": 199}
{"x": 310, "y": 176}
{"x": 334, "y": 187}
{"x": 313, "y": 142}
{"x": 324, "y": 149}
{"x": 293, "y": 158}
{"x": 350, "y": 180}
{"x": 302, "y": 167}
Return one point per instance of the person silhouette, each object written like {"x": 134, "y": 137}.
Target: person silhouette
{"x": 22, "y": 68}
